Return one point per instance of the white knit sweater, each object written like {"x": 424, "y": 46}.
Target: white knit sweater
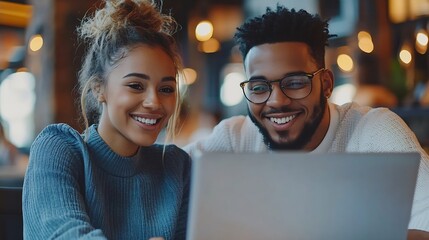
{"x": 352, "y": 129}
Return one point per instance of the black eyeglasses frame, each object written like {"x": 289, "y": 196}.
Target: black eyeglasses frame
{"x": 270, "y": 82}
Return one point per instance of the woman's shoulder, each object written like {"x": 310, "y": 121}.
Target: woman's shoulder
{"x": 58, "y": 133}
{"x": 59, "y": 129}
{"x": 58, "y": 146}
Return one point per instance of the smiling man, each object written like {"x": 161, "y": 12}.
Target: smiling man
{"x": 287, "y": 91}
{"x": 287, "y": 114}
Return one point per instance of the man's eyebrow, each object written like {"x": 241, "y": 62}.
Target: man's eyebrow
{"x": 257, "y": 78}
{"x": 285, "y": 75}
{"x": 295, "y": 73}
{"x": 146, "y": 77}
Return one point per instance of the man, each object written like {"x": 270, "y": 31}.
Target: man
{"x": 287, "y": 91}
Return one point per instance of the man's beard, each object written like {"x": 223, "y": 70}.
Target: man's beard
{"x": 305, "y": 136}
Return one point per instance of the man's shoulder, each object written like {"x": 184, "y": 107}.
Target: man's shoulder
{"x": 234, "y": 134}
{"x": 368, "y": 128}
{"x": 352, "y": 108}
{"x": 234, "y": 123}
{"x": 355, "y": 112}
{"x": 234, "y": 120}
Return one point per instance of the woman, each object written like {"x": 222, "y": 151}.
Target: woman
{"x": 113, "y": 182}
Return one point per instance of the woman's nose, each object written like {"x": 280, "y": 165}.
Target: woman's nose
{"x": 151, "y": 99}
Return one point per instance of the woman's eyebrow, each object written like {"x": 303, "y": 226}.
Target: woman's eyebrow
{"x": 169, "y": 78}
{"x": 139, "y": 75}
{"x": 146, "y": 77}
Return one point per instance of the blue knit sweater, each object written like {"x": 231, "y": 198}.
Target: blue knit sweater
{"x": 77, "y": 189}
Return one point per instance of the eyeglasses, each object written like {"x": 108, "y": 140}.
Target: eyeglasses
{"x": 294, "y": 85}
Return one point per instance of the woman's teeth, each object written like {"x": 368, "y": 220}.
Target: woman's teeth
{"x": 148, "y": 121}
{"x": 282, "y": 120}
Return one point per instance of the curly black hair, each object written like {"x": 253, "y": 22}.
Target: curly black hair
{"x": 284, "y": 25}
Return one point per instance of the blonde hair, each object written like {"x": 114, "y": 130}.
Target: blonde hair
{"x": 110, "y": 33}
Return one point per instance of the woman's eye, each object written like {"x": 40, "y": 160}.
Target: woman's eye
{"x": 136, "y": 86}
{"x": 167, "y": 89}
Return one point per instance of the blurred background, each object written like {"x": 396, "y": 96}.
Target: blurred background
{"x": 379, "y": 58}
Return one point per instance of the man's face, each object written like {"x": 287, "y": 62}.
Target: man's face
{"x": 287, "y": 123}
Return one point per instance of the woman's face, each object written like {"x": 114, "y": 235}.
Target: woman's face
{"x": 138, "y": 99}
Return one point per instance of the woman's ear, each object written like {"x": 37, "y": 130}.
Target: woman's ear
{"x": 327, "y": 82}
{"x": 98, "y": 92}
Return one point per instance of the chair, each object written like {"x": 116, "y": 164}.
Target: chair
{"x": 11, "y": 225}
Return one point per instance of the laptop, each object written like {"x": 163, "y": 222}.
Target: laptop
{"x": 302, "y": 196}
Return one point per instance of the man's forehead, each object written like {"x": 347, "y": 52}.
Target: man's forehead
{"x": 290, "y": 53}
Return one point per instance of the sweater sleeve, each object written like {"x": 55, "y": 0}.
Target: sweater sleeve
{"x": 53, "y": 205}
{"x": 383, "y": 131}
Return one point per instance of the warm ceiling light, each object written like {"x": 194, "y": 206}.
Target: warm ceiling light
{"x": 190, "y": 76}
{"x": 422, "y": 38}
{"x": 405, "y": 56}
{"x": 364, "y": 35}
{"x": 366, "y": 45}
{"x": 345, "y": 62}
{"x": 365, "y": 42}
{"x": 210, "y": 46}
{"x": 15, "y": 14}
{"x": 397, "y": 10}
{"x": 36, "y": 43}
{"x": 422, "y": 41}
{"x": 204, "y": 31}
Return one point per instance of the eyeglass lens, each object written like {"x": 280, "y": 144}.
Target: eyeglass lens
{"x": 295, "y": 87}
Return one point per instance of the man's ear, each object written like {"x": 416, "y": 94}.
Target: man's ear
{"x": 327, "y": 82}
{"x": 98, "y": 92}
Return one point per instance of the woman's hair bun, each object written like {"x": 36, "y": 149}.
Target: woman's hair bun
{"x": 117, "y": 15}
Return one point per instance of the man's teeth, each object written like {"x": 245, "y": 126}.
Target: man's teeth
{"x": 148, "y": 121}
{"x": 282, "y": 120}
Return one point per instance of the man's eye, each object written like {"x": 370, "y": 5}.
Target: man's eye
{"x": 258, "y": 87}
{"x": 294, "y": 83}
{"x": 136, "y": 86}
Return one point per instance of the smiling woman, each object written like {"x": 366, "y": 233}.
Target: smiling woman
{"x": 137, "y": 100}
{"x": 112, "y": 181}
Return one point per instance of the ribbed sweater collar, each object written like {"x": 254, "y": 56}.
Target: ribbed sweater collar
{"x": 111, "y": 162}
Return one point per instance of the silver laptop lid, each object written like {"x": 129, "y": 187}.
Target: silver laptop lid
{"x": 302, "y": 196}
